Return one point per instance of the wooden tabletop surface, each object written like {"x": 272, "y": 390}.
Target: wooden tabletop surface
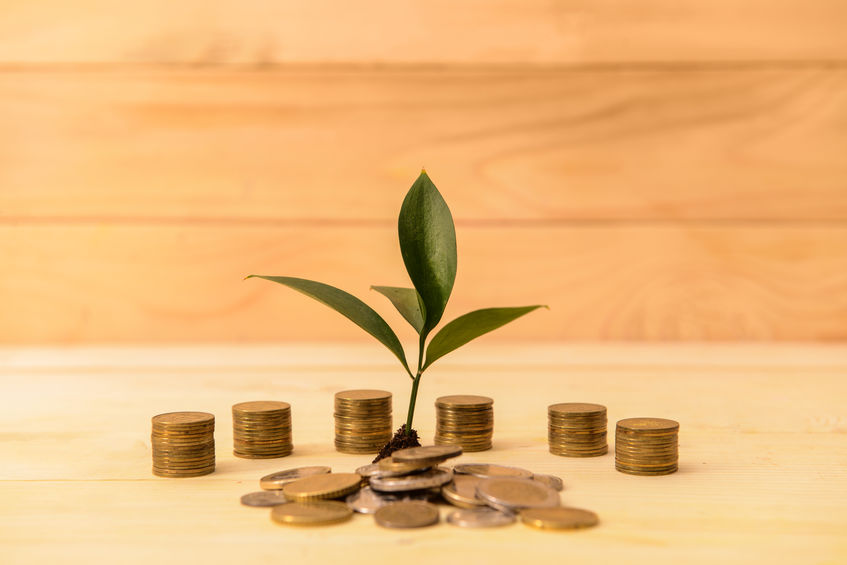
{"x": 763, "y": 453}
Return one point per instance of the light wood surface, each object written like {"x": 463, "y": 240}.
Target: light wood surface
{"x": 117, "y": 283}
{"x": 260, "y": 32}
{"x": 344, "y": 145}
{"x": 762, "y": 453}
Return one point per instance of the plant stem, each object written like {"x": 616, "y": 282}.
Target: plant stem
{"x": 414, "y": 396}
{"x": 412, "y": 399}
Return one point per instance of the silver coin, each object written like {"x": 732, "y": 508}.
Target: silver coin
{"x": 488, "y": 470}
{"x": 264, "y": 498}
{"x": 407, "y": 514}
{"x": 368, "y": 501}
{"x": 551, "y": 481}
{"x": 275, "y": 481}
{"x": 479, "y": 518}
{"x": 461, "y": 491}
{"x": 509, "y": 495}
{"x": 429, "y": 479}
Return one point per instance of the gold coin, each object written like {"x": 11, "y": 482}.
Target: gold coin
{"x": 560, "y": 518}
{"x": 390, "y": 465}
{"x": 576, "y": 409}
{"x": 311, "y": 513}
{"x": 183, "y": 419}
{"x": 462, "y": 401}
{"x": 431, "y": 454}
{"x": 362, "y": 395}
{"x": 331, "y": 485}
{"x": 261, "y": 406}
{"x": 641, "y": 425}
{"x": 407, "y": 514}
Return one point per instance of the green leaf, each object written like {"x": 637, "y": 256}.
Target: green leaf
{"x": 349, "y": 306}
{"x": 428, "y": 246}
{"x": 408, "y": 303}
{"x": 470, "y": 326}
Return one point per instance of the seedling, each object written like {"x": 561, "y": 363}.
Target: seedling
{"x": 428, "y": 245}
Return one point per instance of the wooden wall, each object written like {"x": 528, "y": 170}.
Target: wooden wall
{"x": 652, "y": 170}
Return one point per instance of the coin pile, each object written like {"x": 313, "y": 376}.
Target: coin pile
{"x": 464, "y": 420}
{"x": 362, "y": 420}
{"x": 577, "y": 429}
{"x": 183, "y": 444}
{"x": 261, "y": 429}
{"x": 647, "y": 446}
{"x": 404, "y": 490}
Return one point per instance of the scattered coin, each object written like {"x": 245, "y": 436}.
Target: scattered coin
{"x": 465, "y": 420}
{"x": 479, "y": 518}
{"x": 368, "y": 501}
{"x": 427, "y": 455}
{"x": 311, "y": 513}
{"x": 264, "y": 498}
{"x": 488, "y": 470}
{"x": 407, "y": 514}
{"x": 396, "y": 468}
{"x": 509, "y": 495}
{"x": 561, "y": 518}
{"x": 427, "y": 479}
{"x": 275, "y": 481}
{"x": 332, "y": 485}
{"x": 461, "y": 491}
{"x": 551, "y": 481}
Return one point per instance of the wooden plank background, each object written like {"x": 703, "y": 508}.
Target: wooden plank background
{"x": 671, "y": 172}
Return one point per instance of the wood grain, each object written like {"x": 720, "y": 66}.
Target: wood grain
{"x": 125, "y": 283}
{"x": 755, "y": 423}
{"x": 344, "y": 145}
{"x": 260, "y": 32}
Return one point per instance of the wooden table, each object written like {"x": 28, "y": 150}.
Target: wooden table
{"x": 763, "y": 453}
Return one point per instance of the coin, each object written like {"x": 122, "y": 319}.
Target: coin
{"x": 429, "y": 454}
{"x": 647, "y": 446}
{"x": 261, "y": 429}
{"x": 311, "y": 513}
{"x": 275, "y": 481}
{"x": 368, "y": 501}
{"x": 396, "y": 468}
{"x": 551, "y": 481}
{"x": 183, "y": 444}
{"x": 461, "y": 491}
{"x": 561, "y": 518}
{"x": 263, "y": 498}
{"x": 332, "y": 485}
{"x": 363, "y": 421}
{"x": 407, "y": 514}
{"x": 464, "y": 420}
{"x": 479, "y": 518}
{"x": 489, "y": 470}
{"x": 427, "y": 479}
{"x": 508, "y": 494}
{"x": 577, "y": 429}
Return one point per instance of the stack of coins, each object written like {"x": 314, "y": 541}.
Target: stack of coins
{"x": 261, "y": 429}
{"x": 577, "y": 429}
{"x": 183, "y": 444}
{"x": 464, "y": 420}
{"x": 647, "y": 446}
{"x": 362, "y": 420}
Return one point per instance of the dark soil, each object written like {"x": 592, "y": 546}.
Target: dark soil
{"x": 398, "y": 442}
